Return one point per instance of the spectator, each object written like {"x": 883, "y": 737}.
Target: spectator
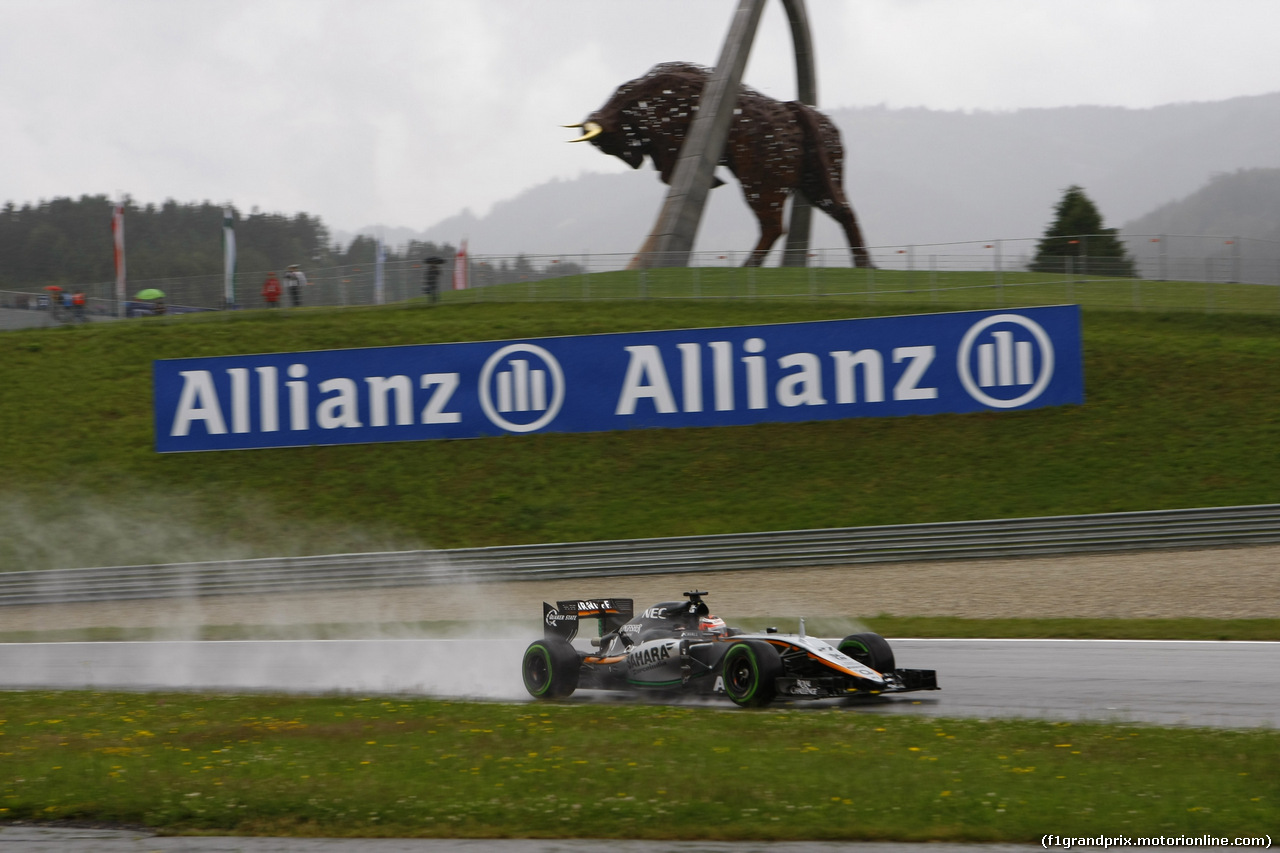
{"x": 271, "y": 290}
{"x": 294, "y": 279}
{"x": 431, "y": 278}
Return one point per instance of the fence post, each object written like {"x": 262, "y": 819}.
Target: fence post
{"x": 999, "y": 264}
{"x": 1208, "y": 284}
{"x": 911, "y": 269}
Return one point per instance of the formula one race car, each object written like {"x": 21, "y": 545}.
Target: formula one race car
{"x": 678, "y": 646}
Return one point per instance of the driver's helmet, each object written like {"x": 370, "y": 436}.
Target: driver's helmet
{"x": 712, "y": 624}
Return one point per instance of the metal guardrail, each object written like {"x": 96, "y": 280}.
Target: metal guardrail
{"x": 1018, "y": 537}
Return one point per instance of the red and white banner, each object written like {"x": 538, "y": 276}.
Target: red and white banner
{"x": 460, "y": 268}
{"x": 117, "y": 235}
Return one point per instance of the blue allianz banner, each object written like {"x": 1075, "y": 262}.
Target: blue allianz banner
{"x": 874, "y": 367}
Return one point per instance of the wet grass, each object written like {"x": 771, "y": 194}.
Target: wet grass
{"x": 920, "y": 289}
{"x": 328, "y": 766}
{"x": 1178, "y": 407}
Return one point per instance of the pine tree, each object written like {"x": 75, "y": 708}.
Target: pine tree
{"x": 1077, "y": 233}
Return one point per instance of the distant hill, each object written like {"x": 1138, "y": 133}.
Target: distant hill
{"x": 919, "y": 176}
{"x": 1243, "y": 203}
{"x": 1243, "y": 206}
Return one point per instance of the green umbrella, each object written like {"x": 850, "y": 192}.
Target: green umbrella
{"x": 150, "y": 293}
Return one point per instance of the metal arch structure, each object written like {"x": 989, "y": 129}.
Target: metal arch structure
{"x": 671, "y": 240}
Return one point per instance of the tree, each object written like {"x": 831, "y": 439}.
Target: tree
{"x": 68, "y": 241}
{"x": 1077, "y": 234}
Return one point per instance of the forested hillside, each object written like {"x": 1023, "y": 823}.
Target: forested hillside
{"x": 1243, "y": 203}
{"x": 68, "y": 241}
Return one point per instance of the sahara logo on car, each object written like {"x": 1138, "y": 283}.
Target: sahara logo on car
{"x": 650, "y": 656}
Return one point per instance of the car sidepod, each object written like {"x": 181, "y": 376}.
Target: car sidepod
{"x": 659, "y": 663}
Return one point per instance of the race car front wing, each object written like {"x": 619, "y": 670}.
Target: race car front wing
{"x": 826, "y": 687}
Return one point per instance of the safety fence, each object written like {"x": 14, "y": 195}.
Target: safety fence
{"x": 1170, "y": 272}
{"x": 1219, "y": 527}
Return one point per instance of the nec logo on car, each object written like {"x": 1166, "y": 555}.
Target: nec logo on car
{"x": 713, "y": 377}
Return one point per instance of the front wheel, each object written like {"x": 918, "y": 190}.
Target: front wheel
{"x": 750, "y": 670}
{"x": 870, "y": 650}
{"x": 550, "y": 668}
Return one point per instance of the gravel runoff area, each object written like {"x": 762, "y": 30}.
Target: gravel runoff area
{"x": 1223, "y": 583}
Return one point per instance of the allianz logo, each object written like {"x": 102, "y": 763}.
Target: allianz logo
{"x": 521, "y": 387}
{"x": 1005, "y": 360}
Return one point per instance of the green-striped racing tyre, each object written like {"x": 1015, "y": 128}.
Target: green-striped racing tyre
{"x": 550, "y": 668}
{"x": 870, "y": 650}
{"x": 750, "y": 670}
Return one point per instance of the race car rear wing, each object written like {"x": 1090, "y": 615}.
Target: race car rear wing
{"x": 562, "y": 619}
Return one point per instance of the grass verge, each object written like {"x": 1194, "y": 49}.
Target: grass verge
{"x": 261, "y": 765}
{"x": 1177, "y": 408}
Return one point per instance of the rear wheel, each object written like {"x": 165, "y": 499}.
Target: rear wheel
{"x": 869, "y": 650}
{"x": 750, "y": 670}
{"x": 550, "y": 668}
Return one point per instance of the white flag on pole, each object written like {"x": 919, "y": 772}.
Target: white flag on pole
{"x": 228, "y": 258}
{"x": 379, "y": 272}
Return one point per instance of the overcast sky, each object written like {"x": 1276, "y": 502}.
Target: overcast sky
{"x": 403, "y": 112}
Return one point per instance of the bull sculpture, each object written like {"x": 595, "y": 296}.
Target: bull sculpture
{"x": 774, "y": 148}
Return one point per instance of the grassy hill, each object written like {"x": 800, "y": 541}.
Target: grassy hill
{"x": 1183, "y": 409}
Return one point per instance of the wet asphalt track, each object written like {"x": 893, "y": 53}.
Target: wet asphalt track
{"x": 63, "y": 840}
{"x": 1220, "y": 684}
{"x": 45, "y": 839}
